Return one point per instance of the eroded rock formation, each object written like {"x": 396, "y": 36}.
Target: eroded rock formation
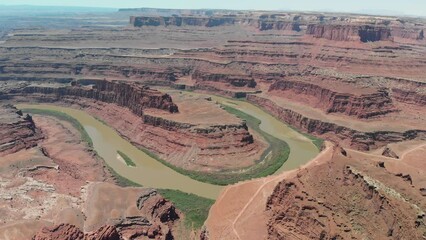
{"x": 334, "y": 132}
{"x": 343, "y": 28}
{"x": 131, "y": 96}
{"x": 16, "y": 130}
{"x": 298, "y": 208}
{"x": 365, "y": 33}
{"x": 362, "y": 106}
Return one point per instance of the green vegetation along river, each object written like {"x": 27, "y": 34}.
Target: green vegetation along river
{"x": 151, "y": 173}
{"x": 302, "y": 148}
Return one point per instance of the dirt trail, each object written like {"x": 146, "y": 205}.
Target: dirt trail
{"x": 243, "y": 204}
{"x": 412, "y": 150}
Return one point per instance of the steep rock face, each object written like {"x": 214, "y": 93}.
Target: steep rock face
{"x": 110, "y": 70}
{"x": 62, "y": 231}
{"x": 232, "y": 79}
{"x": 131, "y": 96}
{"x": 408, "y": 33}
{"x": 206, "y": 146}
{"x": 154, "y": 218}
{"x": 333, "y": 132}
{"x": 365, "y": 33}
{"x": 182, "y": 21}
{"x": 71, "y": 232}
{"x": 16, "y": 131}
{"x": 374, "y": 33}
{"x": 330, "y": 32}
{"x": 214, "y": 21}
{"x": 266, "y": 24}
{"x": 361, "y": 106}
{"x": 410, "y": 97}
{"x": 104, "y": 233}
{"x": 356, "y": 196}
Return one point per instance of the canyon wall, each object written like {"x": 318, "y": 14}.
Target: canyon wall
{"x": 217, "y": 146}
{"x": 232, "y": 79}
{"x": 132, "y": 96}
{"x": 361, "y": 106}
{"x": 153, "y": 218}
{"x": 337, "y": 33}
{"x": 340, "y": 134}
{"x": 319, "y": 26}
{"x": 410, "y": 97}
{"x": 364, "y": 33}
{"x": 17, "y": 131}
{"x": 261, "y": 24}
{"x": 341, "y": 199}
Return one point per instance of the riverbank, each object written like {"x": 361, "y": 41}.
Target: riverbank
{"x": 271, "y": 160}
{"x": 195, "y": 208}
{"x": 148, "y": 172}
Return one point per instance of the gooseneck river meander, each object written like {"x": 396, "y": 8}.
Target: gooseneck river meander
{"x": 151, "y": 173}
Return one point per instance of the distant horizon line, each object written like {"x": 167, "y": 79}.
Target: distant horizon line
{"x": 359, "y": 12}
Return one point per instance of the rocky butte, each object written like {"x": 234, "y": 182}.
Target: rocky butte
{"x": 355, "y": 81}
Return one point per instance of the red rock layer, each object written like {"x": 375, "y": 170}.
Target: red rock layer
{"x": 341, "y": 200}
{"x": 336, "y": 29}
{"x": 132, "y": 96}
{"x": 263, "y": 23}
{"x": 361, "y": 106}
{"x": 410, "y": 97}
{"x": 333, "y": 132}
{"x": 190, "y": 146}
{"x": 365, "y": 33}
{"x": 16, "y": 131}
{"x": 232, "y": 79}
{"x": 155, "y": 221}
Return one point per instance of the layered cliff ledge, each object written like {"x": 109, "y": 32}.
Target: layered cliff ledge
{"x": 261, "y": 23}
{"x": 362, "y": 106}
{"x": 357, "y": 30}
{"x": 365, "y": 33}
{"x": 16, "y": 130}
{"x": 340, "y": 199}
{"x": 200, "y": 137}
{"x": 233, "y": 79}
{"x": 410, "y": 97}
{"x": 344, "y": 28}
{"x": 130, "y": 95}
{"x": 152, "y": 218}
{"x": 336, "y": 133}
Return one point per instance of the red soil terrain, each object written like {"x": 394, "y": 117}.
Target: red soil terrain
{"x": 336, "y": 196}
{"x": 59, "y": 185}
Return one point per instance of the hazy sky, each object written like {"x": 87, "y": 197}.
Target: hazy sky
{"x": 412, "y": 7}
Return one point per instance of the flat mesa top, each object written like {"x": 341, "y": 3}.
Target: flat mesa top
{"x": 198, "y": 110}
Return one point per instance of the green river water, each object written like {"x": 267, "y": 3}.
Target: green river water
{"x": 151, "y": 173}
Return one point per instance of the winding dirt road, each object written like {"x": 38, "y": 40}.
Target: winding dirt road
{"x": 239, "y": 211}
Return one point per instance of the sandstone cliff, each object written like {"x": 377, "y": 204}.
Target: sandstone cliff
{"x": 214, "y": 146}
{"x": 343, "y": 28}
{"x": 333, "y": 132}
{"x": 182, "y": 21}
{"x": 157, "y": 216}
{"x": 410, "y": 97}
{"x": 358, "y": 194}
{"x": 232, "y": 79}
{"x": 261, "y": 23}
{"x": 361, "y": 106}
{"x": 130, "y": 95}
{"x": 364, "y": 33}
{"x": 16, "y": 130}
